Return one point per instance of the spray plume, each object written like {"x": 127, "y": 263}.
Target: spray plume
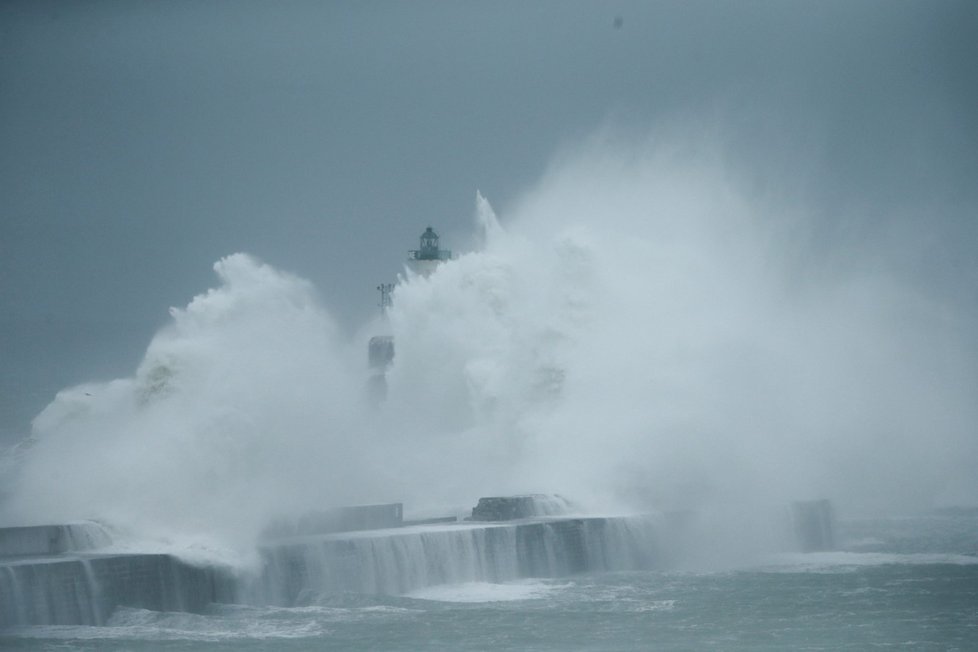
{"x": 641, "y": 334}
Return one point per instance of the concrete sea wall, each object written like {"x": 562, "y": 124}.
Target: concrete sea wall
{"x": 401, "y": 560}
{"x": 84, "y": 590}
{"x": 58, "y": 586}
{"x": 61, "y": 574}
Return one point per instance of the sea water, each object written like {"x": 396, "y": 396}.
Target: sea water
{"x": 897, "y": 583}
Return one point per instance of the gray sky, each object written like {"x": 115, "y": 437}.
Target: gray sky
{"x": 142, "y": 141}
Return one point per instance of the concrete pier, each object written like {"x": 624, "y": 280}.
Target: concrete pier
{"x": 51, "y": 539}
{"x": 813, "y": 523}
{"x": 62, "y": 574}
{"x": 399, "y": 560}
{"x": 86, "y": 589}
{"x": 55, "y": 575}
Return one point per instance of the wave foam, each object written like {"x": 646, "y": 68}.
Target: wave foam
{"x": 488, "y": 592}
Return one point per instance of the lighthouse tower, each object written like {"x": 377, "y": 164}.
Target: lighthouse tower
{"x": 380, "y": 348}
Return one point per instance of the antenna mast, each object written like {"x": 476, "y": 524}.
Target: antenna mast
{"x": 385, "y": 290}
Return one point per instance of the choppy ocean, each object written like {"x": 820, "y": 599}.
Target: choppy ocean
{"x": 908, "y": 583}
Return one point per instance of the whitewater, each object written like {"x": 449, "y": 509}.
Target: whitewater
{"x": 639, "y": 333}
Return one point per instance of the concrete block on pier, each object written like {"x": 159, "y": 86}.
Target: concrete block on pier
{"x": 51, "y": 539}
{"x": 508, "y": 508}
{"x": 813, "y": 524}
{"x": 339, "y": 519}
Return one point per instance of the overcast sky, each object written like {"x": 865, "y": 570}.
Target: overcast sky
{"x": 142, "y": 141}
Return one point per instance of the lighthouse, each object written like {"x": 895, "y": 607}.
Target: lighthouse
{"x": 380, "y": 348}
{"x": 428, "y": 255}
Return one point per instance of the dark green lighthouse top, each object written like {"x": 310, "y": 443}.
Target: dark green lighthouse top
{"x": 429, "y": 248}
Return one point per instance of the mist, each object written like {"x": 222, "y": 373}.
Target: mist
{"x": 641, "y": 330}
{"x": 647, "y": 330}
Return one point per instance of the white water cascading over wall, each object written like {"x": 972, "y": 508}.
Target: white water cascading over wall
{"x": 84, "y": 588}
{"x": 63, "y": 575}
{"x": 399, "y": 561}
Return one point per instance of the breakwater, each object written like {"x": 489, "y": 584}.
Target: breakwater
{"x": 401, "y": 560}
{"x": 50, "y": 584}
{"x": 63, "y": 574}
{"x": 84, "y": 590}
